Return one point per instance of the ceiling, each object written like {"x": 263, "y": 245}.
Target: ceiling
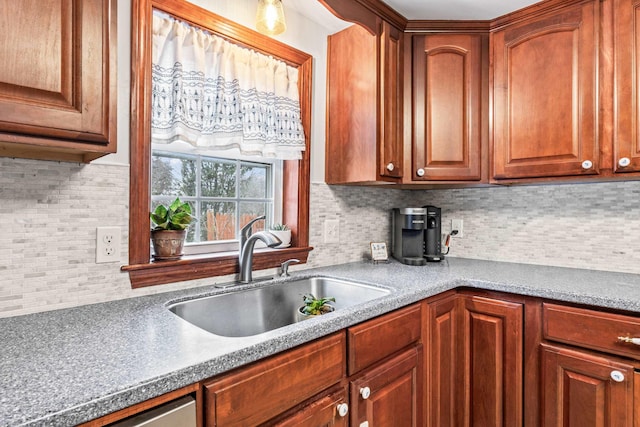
{"x": 419, "y": 9}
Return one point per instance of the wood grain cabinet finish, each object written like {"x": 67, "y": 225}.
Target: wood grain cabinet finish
{"x": 320, "y": 412}
{"x": 579, "y": 390}
{"x": 447, "y": 87}
{"x": 58, "y": 79}
{"x": 626, "y": 39}
{"x": 390, "y": 394}
{"x": 545, "y": 95}
{"x": 256, "y": 394}
{"x": 475, "y": 362}
{"x": 364, "y": 106}
{"x": 373, "y": 340}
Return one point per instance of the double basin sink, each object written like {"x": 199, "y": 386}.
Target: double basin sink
{"x": 255, "y": 311}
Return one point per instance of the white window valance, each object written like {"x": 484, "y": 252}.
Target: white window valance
{"x": 214, "y": 94}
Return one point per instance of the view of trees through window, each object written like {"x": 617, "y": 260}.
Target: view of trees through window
{"x": 224, "y": 194}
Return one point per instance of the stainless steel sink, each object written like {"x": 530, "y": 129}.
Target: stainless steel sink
{"x": 259, "y": 310}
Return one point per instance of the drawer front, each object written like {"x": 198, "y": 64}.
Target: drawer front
{"x": 376, "y": 339}
{"x": 258, "y": 393}
{"x": 591, "y": 329}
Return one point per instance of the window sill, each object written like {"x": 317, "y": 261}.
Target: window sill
{"x": 191, "y": 267}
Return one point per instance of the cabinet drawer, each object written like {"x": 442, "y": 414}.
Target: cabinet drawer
{"x": 378, "y": 338}
{"x": 258, "y": 393}
{"x": 591, "y": 329}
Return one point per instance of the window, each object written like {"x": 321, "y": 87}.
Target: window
{"x": 224, "y": 193}
{"x": 295, "y": 173}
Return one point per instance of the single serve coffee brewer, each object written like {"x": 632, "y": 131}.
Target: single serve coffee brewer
{"x": 416, "y": 235}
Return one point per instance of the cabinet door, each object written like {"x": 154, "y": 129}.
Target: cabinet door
{"x": 579, "y": 389}
{"x": 545, "y": 72}
{"x": 57, "y": 83}
{"x": 390, "y": 62}
{"x": 321, "y": 412}
{"x": 443, "y": 354}
{"x": 266, "y": 389}
{"x": 626, "y": 138}
{"x": 447, "y": 106}
{"x": 390, "y": 395}
{"x": 492, "y": 365}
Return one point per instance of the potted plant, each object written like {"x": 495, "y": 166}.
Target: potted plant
{"x": 170, "y": 229}
{"x": 282, "y": 232}
{"x": 315, "y": 306}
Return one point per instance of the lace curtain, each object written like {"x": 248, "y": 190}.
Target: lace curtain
{"x": 211, "y": 93}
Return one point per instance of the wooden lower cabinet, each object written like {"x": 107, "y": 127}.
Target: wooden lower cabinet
{"x": 389, "y": 395}
{"x": 258, "y": 393}
{"x": 322, "y": 411}
{"x": 475, "y": 362}
{"x": 582, "y": 389}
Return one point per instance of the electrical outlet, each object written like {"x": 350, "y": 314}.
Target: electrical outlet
{"x": 331, "y": 231}
{"x": 456, "y": 224}
{"x": 107, "y": 244}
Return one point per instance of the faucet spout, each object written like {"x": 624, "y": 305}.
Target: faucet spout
{"x": 246, "y": 252}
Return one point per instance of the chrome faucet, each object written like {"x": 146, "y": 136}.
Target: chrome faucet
{"x": 247, "y": 243}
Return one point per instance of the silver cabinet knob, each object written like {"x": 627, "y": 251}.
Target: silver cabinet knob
{"x": 343, "y": 409}
{"x": 390, "y": 167}
{"x": 365, "y": 392}
{"x": 617, "y": 376}
{"x": 587, "y": 164}
{"x": 420, "y": 172}
{"x": 624, "y": 162}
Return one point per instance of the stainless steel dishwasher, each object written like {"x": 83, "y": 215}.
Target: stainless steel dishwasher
{"x": 177, "y": 413}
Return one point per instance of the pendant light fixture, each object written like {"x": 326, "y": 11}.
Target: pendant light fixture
{"x": 270, "y": 17}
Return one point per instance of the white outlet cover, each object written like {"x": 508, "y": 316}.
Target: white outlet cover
{"x": 331, "y": 231}
{"x": 108, "y": 244}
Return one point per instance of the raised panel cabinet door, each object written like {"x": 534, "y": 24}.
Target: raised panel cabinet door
{"x": 331, "y": 410}
{"x": 442, "y": 358}
{"x": 390, "y": 162}
{"x": 626, "y": 138}
{"x": 447, "y": 106}
{"x": 545, "y": 97}
{"x": 390, "y": 394}
{"x": 57, "y": 76}
{"x": 492, "y": 362}
{"x": 579, "y": 389}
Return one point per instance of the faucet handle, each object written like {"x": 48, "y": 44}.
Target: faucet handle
{"x": 284, "y": 267}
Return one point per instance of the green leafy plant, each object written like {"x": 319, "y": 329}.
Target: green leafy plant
{"x": 279, "y": 227}
{"x": 314, "y": 306}
{"x": 176, "y": 216}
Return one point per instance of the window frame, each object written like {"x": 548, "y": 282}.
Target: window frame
{"x": 273, "y": 194}
{"x": 296, "y": 173}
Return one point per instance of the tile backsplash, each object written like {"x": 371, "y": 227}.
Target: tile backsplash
{"x": 50, "y": 211}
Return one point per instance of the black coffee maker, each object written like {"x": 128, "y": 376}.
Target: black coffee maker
{"x": 416, "y": 235}
{"x": 407, "y": 235}
{"x": 433, "y": 234}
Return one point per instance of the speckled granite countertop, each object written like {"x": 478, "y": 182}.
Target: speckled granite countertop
{"x": 69, "y": 366}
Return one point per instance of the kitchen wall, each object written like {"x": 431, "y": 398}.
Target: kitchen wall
{"x": 51, "y": 210}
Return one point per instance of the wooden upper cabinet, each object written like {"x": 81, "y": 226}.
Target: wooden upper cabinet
{"x": 364, "y": 106}
{"x": 58, "y": 79}
{"x": 626, "y": 137}
{"x": 545, "y": 95}
{"x": 448, "y": 106}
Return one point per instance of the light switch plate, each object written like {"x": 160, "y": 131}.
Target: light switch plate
{"x": 331, "y": 231}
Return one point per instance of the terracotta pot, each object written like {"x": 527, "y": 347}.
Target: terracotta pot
{"x": 168, "y": 244}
